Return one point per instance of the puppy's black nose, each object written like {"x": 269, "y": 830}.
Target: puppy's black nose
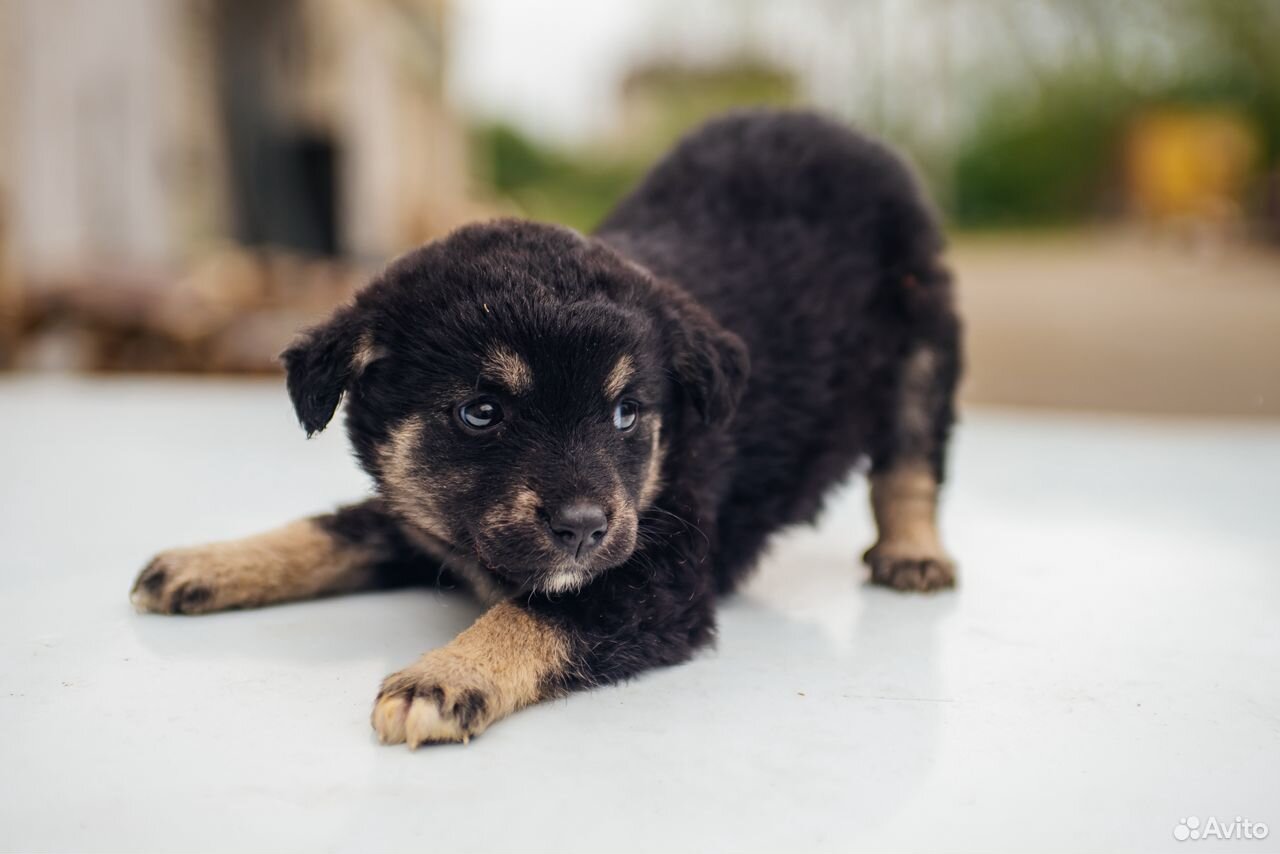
{"x": 578, "y": 528}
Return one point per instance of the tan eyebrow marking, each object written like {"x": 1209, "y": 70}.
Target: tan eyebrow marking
{"x": 505, "y": 367}
{"x": 616, "y": 383}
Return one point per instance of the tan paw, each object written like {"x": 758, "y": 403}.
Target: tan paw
{"x": 907, "y": 566}
{"x": 441, "y": 698}
{"x": 185, "y": 581}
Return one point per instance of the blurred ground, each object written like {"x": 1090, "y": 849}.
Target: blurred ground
{"x": 1121, "y": 320}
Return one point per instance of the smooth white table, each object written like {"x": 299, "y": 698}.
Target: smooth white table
{"x": 1108, "y": 666}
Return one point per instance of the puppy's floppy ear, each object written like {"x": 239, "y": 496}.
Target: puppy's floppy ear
{"x": 710, "y": 362}
{"x": 322, "y": 362}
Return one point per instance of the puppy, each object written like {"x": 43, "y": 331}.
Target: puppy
{"x": 598, "y": 434}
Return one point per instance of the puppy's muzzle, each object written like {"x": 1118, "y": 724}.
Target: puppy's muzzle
{"x": 578, "y": 529}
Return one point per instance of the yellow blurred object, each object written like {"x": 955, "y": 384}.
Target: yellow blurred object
{"x": 1189, "y": 164}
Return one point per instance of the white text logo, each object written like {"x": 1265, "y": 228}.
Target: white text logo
{"x": 1212, "y": 828}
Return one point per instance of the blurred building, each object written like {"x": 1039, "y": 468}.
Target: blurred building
{"x": 143, "y": 137}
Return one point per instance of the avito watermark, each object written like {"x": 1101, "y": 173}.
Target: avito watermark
{"x": 1190, "y": 829}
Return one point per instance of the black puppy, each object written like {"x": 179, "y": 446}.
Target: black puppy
{"x": 599, "y": 433}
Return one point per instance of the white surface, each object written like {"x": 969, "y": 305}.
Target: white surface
{"x": 1108, "y": 666}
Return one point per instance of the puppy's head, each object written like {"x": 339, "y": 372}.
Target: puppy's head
{"x": 514, "y": 389}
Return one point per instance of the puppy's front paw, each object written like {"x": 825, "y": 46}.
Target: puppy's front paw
{"x": 908, "y": 566}
{"x": 179, "y": 582}
{"x": 441, "y": 698}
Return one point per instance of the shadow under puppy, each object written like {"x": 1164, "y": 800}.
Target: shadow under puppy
{"x": 598, "y": 434}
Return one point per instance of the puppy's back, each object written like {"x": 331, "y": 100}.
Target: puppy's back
{"x": 815, "y": 245}
{"x": 779, "y": 204}
{"x": 758, "y": 165}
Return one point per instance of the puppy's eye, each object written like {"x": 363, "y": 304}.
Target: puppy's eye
{"x": 480, "y": 414}
{"x": 625, "y": 414}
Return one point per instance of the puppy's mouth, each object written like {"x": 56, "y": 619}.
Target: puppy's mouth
{"x": 556, "y": 552}
{"x": 566, "y": 580}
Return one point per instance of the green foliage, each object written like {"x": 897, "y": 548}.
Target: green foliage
{"x": 1049, "y": 152}
{"x": 665, "y": 100}
{"x": 548, "y": 184}
{"x": 1243, "y": 67}
{"x": 1043, "y": 162}
{"x": 1046, "y": 152}
{"x": 676, "y": 98}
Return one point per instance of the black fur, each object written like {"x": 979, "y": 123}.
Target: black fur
{"x": 319, "y": 370}
{"x": 769, "y": 280}
{"x": 369, "y": 524}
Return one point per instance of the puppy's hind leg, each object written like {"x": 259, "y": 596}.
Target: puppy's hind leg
{"x": 355, "y": 548}
{"x": 909, "y": 553}
{"x": 906, "y": 475}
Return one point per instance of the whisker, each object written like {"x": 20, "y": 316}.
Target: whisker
{"x": 683, "y": 521}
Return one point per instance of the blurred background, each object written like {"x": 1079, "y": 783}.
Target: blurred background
{"x": 185, "y": 183}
